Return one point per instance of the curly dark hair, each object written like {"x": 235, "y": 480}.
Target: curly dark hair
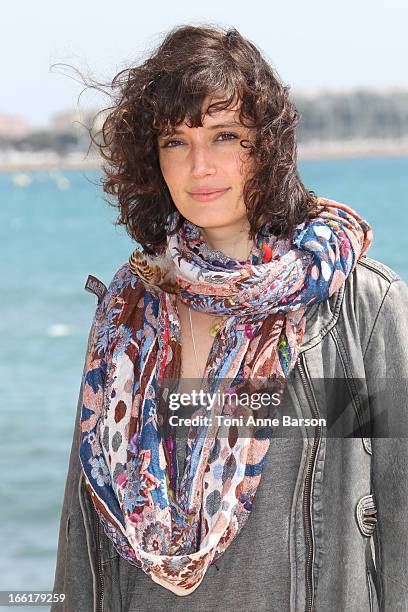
{"x": 169, "y": 87}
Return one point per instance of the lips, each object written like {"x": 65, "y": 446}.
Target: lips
{"x": 207, "y": 190}
{"x": 205, "y": 195}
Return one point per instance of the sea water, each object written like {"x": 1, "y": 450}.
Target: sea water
{"x": 56, "y": 229}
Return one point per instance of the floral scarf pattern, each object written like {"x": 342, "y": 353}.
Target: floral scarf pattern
{"x": 169, "y": 522}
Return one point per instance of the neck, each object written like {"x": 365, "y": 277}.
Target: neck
{"x": 232, "y": 240}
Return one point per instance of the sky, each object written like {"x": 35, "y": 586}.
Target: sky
{"x": 313, "y": 44}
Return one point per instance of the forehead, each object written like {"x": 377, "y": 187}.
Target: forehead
{"x": 211, "y": 119}
{"x": 215, "y": 116}
{"x": 211, "y": 113}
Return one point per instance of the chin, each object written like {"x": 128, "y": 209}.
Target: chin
{"x": 208, "y": 218}
{"x": 208, "y": 222}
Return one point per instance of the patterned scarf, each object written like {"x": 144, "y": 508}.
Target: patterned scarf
{"x": 169, "y": 522}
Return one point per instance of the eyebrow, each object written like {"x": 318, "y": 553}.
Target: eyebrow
{"x": 218, "y": 126}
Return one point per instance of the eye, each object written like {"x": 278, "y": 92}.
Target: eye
{"x": 227, "y": 135}
{"x": 222, "y": 137}
{"x": 169, "y": 144}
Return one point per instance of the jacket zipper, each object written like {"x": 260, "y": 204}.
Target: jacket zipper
{"x": 99, "y": 566}
{"x": 307, "y": 517}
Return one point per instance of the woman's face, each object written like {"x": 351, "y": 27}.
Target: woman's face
{"x": 205, "y": 169}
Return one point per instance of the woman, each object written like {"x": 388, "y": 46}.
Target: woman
{"x": 242, "y": 281}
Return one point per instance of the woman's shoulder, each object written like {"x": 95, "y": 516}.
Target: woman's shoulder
{"x": 124, "y": 279}
{"x": 371, "y": 268}
{"x": 375, "y": 298}
{"x": 372, "y": 288}
{"x": 124, "y": 286}
{"x": 369, "y": 286}
{"x": 371, "y": 282}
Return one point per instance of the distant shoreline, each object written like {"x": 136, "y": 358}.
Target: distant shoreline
{"x": 352, "y": 149}
{"x": 25, "y": 162}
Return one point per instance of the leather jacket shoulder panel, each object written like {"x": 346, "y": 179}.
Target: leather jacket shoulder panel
{"x": 359, "y": 300}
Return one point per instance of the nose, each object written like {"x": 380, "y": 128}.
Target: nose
{"x": 202, "y": 162}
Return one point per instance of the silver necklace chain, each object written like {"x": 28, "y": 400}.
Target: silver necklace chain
{"x": 192, "y": 333}
{"x": 194, "y": 345}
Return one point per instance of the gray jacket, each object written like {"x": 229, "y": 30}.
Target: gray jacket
{"x": 348, "y": 524}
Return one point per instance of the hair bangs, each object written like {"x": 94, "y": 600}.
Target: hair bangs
{"x": 185, "y": 99}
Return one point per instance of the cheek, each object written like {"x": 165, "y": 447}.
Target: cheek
{"x": 171, "y": 174}
{"x": 239, "y": 167}
{"x": 241, "y": 161}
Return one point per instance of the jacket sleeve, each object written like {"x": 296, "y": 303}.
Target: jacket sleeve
{"x": 386, "y": 365}
{"x": 73, "y": 574}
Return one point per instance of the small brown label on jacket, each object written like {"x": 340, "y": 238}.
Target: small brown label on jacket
{"x": 96, "y": 286}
